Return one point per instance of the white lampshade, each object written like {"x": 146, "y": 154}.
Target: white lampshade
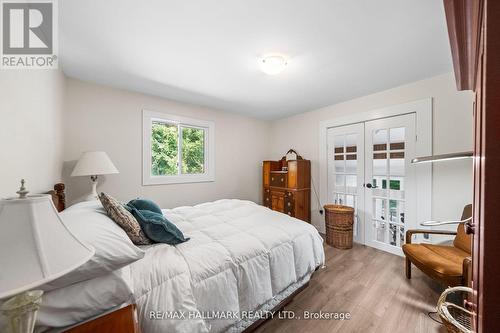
{"x": 93, "y": 163}
{"x": 35, "y": 246}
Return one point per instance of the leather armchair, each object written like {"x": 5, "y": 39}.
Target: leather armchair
{"x": 449, "y": 264}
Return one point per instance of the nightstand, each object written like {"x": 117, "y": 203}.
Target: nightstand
{"x": 123, "y": 320}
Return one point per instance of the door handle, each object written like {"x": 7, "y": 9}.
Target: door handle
{"x": 368, "y": 185}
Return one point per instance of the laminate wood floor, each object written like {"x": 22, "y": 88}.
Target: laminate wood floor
{"x": 372, "y": 287}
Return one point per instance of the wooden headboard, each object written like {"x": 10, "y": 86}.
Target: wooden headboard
{"x": 58, "y": 196}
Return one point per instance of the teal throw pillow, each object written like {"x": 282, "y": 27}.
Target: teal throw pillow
{"x": 157, "y": 227}
{"x": 145, "y": 204}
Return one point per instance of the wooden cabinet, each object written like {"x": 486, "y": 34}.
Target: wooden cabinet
{"x": 287, "y": 186}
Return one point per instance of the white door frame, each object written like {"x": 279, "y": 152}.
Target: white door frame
{"x": 423, "y": 177}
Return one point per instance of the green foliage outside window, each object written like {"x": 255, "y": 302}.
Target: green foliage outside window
{"x": 165, "y": 149}
{"x": 193, "y": 156}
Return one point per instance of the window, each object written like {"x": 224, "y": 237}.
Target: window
{"x": 177, "y": 149}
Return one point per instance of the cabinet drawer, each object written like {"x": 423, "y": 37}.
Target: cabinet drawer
{"x": 278, "y": 179}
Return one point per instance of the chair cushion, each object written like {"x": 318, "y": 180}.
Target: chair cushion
{"x": 444, "y": 263}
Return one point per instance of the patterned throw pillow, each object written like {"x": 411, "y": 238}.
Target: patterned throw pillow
{"x": 124, "y": 219}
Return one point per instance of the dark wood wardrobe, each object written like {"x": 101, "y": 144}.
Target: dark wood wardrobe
{"x": 474, "y": 31}
{"x": 287, "y": 186}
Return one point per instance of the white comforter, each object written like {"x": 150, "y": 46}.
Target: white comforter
{"x": 241, "y": 257}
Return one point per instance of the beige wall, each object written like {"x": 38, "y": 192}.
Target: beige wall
{"x": 46, "y": 119}
{"x": 108, "y": 119}
{"x": 452, "y": 132}
{"x": 31, "y": 112}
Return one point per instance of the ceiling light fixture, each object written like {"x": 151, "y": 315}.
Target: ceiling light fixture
{"x": 273, "y": 64}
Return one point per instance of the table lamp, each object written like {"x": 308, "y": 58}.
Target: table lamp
{"x": 35, "y": 248}
{"x": 93, "y": 164}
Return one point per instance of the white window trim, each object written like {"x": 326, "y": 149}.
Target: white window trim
{"x": 147, "y": 178}
{"x": 423, "y": 179}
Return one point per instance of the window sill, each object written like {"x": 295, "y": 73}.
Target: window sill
{"x": 170, "y": 180}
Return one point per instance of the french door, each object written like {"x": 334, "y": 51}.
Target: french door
{"x": 390, "y": 191}
{"x": 345, "y": 186}
{"x": 369, "y": 169}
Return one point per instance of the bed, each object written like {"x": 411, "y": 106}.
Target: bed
{"x": 242, "y": 260}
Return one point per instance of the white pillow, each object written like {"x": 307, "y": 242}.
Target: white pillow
{"x": 89, "y": 222}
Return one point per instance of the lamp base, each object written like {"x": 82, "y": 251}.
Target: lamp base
{"x": 21, "y": 311}
{"x": 93, "y": 192}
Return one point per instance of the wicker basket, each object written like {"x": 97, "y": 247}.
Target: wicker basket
{"x": 339, "y": 221}
{"x": 455, "y": 318}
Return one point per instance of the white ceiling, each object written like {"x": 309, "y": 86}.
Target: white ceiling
{"x": 206, "y": 52}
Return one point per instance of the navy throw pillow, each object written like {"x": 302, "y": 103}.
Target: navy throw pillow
{"x": 157, "y": 227}
{"x": 145, "y": 204}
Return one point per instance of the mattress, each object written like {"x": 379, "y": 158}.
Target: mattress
{"x": 241, "y": 258}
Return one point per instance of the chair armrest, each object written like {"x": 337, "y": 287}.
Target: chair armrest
{"x": 411, "y": 232}
{"x": 467, "y": 271}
